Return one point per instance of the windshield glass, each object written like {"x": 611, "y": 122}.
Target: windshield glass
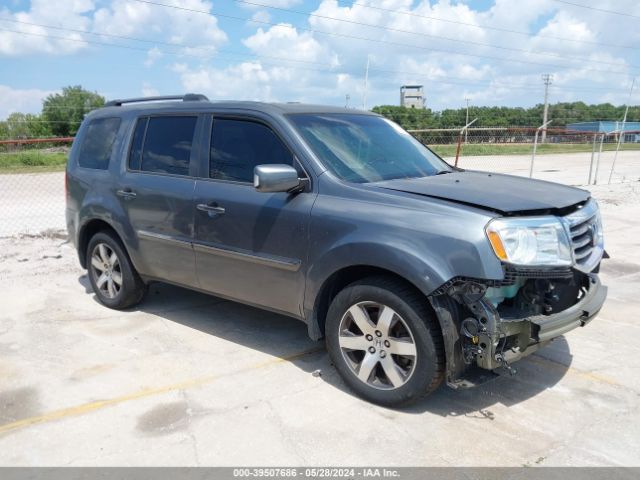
{"x": 365, "y": 148}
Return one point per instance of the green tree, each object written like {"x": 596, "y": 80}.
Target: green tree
{"x": 16, "y": 126}
{"x": 562, "y": 114}
{"x": 65, "y": 111}
{"x": 21, "y": 125}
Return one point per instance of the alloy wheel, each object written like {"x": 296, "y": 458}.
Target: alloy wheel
{"x": 377, "y": 345}
{"x": 105, "y": 268}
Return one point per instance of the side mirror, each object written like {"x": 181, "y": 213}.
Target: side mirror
{"x": 275, "y": 178}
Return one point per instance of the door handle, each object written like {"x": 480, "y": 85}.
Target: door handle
{"x": 126, "y": 193}
{"x": 211, "y": 208}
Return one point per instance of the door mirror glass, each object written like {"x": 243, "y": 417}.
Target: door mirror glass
{"x": 275, "y": 178}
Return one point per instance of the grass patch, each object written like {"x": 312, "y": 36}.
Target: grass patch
{"x": 524, "y": 149}
{"x": 32, "y": 161}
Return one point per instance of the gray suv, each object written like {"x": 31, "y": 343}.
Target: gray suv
{"x": 412, "y": 270}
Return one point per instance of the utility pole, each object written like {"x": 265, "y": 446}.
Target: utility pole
{"x": 547, "y": 79}
{"x": 366, "y": 81}
{"x": 467, "y": 120}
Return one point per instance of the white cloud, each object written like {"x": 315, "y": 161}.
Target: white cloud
{"x": 21, "y": 100}
{"x": 297, "y": 64}
{"x": 285, "y": 41}
{"x": 152, "y": 56}
{"x": 260, "y": 17}
{"x": 149, "y": 91}
{"x": 182, "y": 27}
{"x": 254, "y": 81}
{"x": 119, "y": 17}
{"x": 36, "y": 39}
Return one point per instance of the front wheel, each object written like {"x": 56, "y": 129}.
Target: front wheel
{"x": 384, "y": 341}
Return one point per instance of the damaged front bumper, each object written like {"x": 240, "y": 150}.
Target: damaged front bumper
{"x": 475, "y": 332}
{"x": 551, "y": 326}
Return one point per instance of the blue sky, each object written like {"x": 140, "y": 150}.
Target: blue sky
{"x": 490, "y": 51}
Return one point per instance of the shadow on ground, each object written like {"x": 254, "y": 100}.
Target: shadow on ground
{"x": 286, "y": 338}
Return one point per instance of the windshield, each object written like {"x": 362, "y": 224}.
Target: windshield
{"x": 365, "y": 148}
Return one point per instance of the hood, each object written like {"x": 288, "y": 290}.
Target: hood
{"x": 506, "y": 194}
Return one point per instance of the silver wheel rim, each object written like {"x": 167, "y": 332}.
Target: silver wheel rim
{"x": 377, "y": 345}
{"x": 105, "y": 269}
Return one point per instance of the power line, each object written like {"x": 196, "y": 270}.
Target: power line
{"x": 588, "y": 7}
{"x": 226, "y": 52}
{"x": 155, "y": 42}
{"x": 145, "y": 50}
{"x": 446, "y": 80}
{"x": 488, "y": 27}
{"x": 438, "y": 37}
{"x": 377, "y": 40}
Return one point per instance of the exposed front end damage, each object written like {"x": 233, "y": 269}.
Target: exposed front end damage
{"x": 491, "y": 324}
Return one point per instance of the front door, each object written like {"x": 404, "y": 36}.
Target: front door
{"x": 250, "y": 246}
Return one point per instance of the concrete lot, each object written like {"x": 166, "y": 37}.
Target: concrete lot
{"x": 188, "y": 379}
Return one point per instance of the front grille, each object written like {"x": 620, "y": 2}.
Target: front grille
{"x": 586, "y": 242}
{"x": 583, "y": 239}
{"x": 514, "y": 272}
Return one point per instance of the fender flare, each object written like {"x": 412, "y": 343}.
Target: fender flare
{"x": 426, "y": 277}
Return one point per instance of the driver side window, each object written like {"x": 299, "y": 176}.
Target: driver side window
{"x": 237, "y": 146}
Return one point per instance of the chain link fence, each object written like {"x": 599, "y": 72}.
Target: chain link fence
{"x": 32, "y": 194}
{"x": 32, "y": 198}
{"x": 558, "y": 155}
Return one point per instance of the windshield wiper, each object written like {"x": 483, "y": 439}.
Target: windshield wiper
{"x": 442, "y": 172}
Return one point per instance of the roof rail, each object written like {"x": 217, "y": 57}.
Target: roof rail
{"x": 189, "y": 97}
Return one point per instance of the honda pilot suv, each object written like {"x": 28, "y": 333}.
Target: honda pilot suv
{"x": 413, "y": 271}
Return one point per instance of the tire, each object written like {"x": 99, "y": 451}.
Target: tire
{"x": 105, "y": 271}
{"x": 356, "y": 335}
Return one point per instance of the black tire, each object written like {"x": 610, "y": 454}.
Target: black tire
{"x": 132, "y": 288}
{"x": 409, "y": 306}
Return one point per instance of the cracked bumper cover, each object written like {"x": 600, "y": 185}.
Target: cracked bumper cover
{"x": 533, "y": 332}
{"x": 536, "y": 331}
{"x": 551, "y": 326}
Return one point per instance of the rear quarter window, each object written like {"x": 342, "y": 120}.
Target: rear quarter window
{"x": 97, "y": 143}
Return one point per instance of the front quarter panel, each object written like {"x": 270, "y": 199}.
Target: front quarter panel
{"x": 425, "y": 241}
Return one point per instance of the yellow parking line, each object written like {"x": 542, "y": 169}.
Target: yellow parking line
{"x": 147, "y": 392}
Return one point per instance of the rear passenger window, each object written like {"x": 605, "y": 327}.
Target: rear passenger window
{"x": 163, "y": 144}
{"x": 237, "y": 146}
{"x": 97, "y": 143}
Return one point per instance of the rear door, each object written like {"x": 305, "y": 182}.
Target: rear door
{"x": 250, "y": 246}
{"x": 156, "y": 192}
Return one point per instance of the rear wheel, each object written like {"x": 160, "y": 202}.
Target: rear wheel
{"x": 113, "y": 278}
{"x": 384, "y": 341}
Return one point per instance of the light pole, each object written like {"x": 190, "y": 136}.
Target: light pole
{"x": 547, "y": 79}
{"x": 467, "y": 119}
{"x": 366, "y": 84}
{"x": 621, "y": 135}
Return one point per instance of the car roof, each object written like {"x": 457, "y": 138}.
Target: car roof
{"x": 141, "y": 107}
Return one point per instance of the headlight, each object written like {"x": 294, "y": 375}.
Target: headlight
{"x": 530, "y": 241}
